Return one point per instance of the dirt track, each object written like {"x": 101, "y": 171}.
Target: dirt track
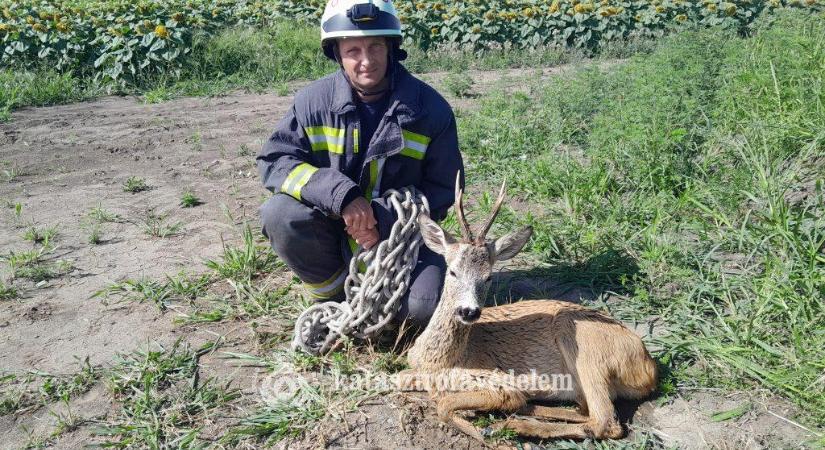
{"x": 69, "y": 159}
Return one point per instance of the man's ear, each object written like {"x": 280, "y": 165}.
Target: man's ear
{"x": 509, "y": 245}
{"x": 434, "y": 236}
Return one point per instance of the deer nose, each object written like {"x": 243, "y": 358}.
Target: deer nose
{"x": 468, "y": 314}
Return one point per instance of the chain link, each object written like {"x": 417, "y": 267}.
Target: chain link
{"x": 373, "y": 297}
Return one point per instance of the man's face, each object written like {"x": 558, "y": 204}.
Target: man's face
{"x": 365, "y": 60}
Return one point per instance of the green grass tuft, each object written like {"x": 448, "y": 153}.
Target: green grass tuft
{"x": 189, "y": 200}
{"x": 8, "y": 291}
{"x": 163, "y": 402}
{"x": 102, "y": 215}
{"x": 245, "y": 262}
{"x": 134, "y": 185}
{"x": 40, "y": 236}
{"x": 157, "y": 225}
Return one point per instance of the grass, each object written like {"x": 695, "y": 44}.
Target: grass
{"x": 95, "y": 236}
{"x": 30, "y": 264}
{"x": 42, "y": 236}
{"x": 311, "y": 401}
{"x": 39, "y": 88}
{"x": 459, "y": 84}
{"x": 163, "y": 401}
{"x": 25, "y": 392}
{"x": 245, "y": 262}
{"x": 134, "y": 185}
{"x": 190, "y": 200}
{"x": 157, "y": 225}
{"x": 180, "y": 288}
{"x": 688, "y": 184}
{"x": 8, "y": 291}
{"x": 11, "y": 174}
{"x": 18, "y": 210}
{"x": 102, "y": 215}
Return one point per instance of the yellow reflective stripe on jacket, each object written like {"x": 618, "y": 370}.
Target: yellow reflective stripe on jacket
{"x": 415, "y": 145}
{"x": 329, "y": 287}
{"x": 297, "y": 178}
{"x": 374, "y": 173}
{"x": 355, "y": 140}
{"x": 328, "y": 139}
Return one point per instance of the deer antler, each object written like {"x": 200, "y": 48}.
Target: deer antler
{"x": 496, "y": 208}
{"x": 459, "y": 209}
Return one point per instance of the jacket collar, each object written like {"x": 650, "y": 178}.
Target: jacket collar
{"x": 405, "y": 95}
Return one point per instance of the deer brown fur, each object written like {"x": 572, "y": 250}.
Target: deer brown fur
{"x": 482, "y": 346}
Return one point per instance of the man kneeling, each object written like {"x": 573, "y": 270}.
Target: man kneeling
{"x": 349, "y": 137}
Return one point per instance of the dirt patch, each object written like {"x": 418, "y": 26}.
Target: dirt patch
{"x": 69, "y": 159}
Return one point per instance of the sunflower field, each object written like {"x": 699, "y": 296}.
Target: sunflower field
{"x": 123, "y": 40}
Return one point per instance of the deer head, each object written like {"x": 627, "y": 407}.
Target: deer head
{"x": 470, "y": 260}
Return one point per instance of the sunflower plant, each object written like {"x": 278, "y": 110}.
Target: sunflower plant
{"x": 120, "y": 40}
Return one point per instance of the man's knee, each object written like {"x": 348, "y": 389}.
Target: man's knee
{"x": 282, "y": 216}
{"x": 424, "y": 294}
{"x": 420, "y": 309}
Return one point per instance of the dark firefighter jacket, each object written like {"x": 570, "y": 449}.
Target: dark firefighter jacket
{"x": 316, "y": 144}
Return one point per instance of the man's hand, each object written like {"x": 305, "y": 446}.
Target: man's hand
{"x": 366, "y": 238}
{"x": 360, "y": 222}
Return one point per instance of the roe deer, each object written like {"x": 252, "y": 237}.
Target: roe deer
{"x": 483, "y": 347}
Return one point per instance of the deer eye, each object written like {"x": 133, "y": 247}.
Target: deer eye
{"x": 452, "y": 274}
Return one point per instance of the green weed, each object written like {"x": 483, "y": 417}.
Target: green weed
{"x": 134, "y": 185}
{"x": 245, "y": 262}
{"x": 11, "y": 174}
{"x": 102, "y": 215}
{"x": 196, "y": 140}
{"x": 189, "y": 200}
{"x": 459, "y": 84}
{"x": 273, "y": 422}
{"x": 140, "y": 290}
{"x": 29, "y": 391}
{"x": 280, "y": 418}
{"x": 40, "y": 236}
{"x": 41, "y": 87}
{"x": 181, "y": 287}
{"x": 8, "y": 291}
{"x": 163, "y": 401}
{"x": 95, "y": 236}
{"x": 156, "y": 225}
{"x": 30, "y": 265}
{"x": 158, "y": 94}
{"x": 244, "y": 151}
{"x": 64, "y": 388}
{"x": 43, "y": 271}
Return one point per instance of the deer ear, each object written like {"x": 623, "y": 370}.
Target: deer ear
{"x": 434, "y": 236}
{"x": 509, "y": 245}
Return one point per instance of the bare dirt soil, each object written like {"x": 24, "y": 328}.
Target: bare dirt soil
{"x": 63, "y": 161}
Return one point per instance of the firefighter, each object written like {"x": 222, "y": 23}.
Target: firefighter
{"x": 369, "y": 127}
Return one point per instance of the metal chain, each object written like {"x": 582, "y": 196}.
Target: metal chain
{"x": 373, "y": 296}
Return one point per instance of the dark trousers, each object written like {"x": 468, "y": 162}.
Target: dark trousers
{"x": 315, "y": 246}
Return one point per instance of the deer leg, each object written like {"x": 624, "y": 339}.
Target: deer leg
{"x": 500, "y": 400}
{"x": 544, "y": 430}
{"x": 547, "y": 412}
{"x": 595, "y": 388}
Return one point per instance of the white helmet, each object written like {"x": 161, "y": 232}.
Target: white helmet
{"x": 352, "y": 18}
